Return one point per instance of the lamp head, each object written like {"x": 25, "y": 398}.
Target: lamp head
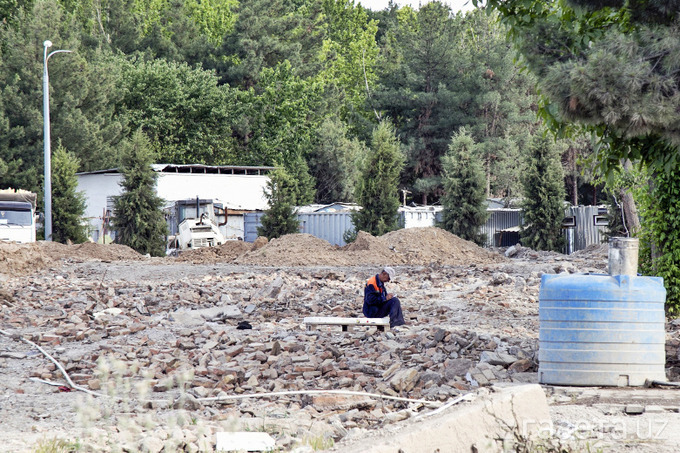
{"x": 47, "y": 43}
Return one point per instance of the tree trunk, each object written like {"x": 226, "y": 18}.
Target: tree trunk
{"x": 630, "y": 213}
{"x": 488, "y": 177}
{"x": 631, "y": 219}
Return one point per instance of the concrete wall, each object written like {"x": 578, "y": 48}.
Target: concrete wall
{"x": 97, "y": 188}
{"x": 480, "y": 426}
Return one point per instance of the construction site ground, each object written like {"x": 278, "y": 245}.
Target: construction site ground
{"x": 103, "y": 349}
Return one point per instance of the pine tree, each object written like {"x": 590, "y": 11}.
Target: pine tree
{"x": 543, "y": 197}
{"x": 334, "y": 162}
{"x": 377, "y": 188}
{"x": 464, "y": 190}
{"x": 68, "y": 205}
{"x": 303, "y": 187}
{"x": 280, "y": 218}
{"x": 138, "y": 217}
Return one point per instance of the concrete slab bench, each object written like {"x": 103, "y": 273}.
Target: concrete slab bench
{"x": 347, "y": 324}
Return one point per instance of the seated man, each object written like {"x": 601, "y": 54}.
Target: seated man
{"x": 378, "y": 303}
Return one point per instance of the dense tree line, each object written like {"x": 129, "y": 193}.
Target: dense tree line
{"x": 302, "y": 85}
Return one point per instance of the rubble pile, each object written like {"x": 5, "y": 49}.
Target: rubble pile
{"x": 172, "y": 327}
{"x": 183, "y": 345}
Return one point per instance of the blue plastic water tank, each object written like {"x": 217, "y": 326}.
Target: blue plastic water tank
{"x": 601, "y": 330}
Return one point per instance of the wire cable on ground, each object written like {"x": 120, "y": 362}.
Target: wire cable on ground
{"x": 53, "y": 360}
{"x": 467, "y": 396}
{"x": 319, "y": 392}
{"x": 74, "y": 386}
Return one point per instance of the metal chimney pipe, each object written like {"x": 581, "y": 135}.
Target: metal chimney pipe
{"x": 623, "y": 256}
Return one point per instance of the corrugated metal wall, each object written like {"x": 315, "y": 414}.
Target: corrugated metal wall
{"x": 251, "y": 220}
{"x": 585, "y": 232}
{"x": 329, "y": 226}
{"x": 499, "y": 220}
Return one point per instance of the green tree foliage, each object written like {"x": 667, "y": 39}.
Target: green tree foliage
{"x": 290, "y": 31}
{"x": 501, "y": 106}
{"x": 68, "y": 205}
{"x": 543, "y": 197}
{"x": 280, "y": 218}
{"x": 350, "y": 52}
{"x": 213, "y": 18}
{"x": 181, "y": 109}
{"x": 611, "y": 66}
{"x": 82, "y": 86}
{"x": 335, "y": 162}
{"x": 170, "y": 29}
{"x": 439, "y": 72}
{"x": 660, "y": 237}
{"x": 177, "y": 37}
{"x": 304, "y": 182}
{"x": 417, "y": 87}
{"x": 10, "y": 10}
{"x": 377, "y": 189}
{"x": 138, "y": 218}
{"x": 277, "y": 123}
{"x": 464, "y": 192}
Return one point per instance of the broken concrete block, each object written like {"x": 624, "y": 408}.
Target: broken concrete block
{"x": 497, "y": 358}
{"x": 404, "y": 380}
{"x": 634, "y": 409}
{"x": 244, "y": 441}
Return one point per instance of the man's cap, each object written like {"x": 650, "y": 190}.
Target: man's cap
{"x": 390, "y": 272}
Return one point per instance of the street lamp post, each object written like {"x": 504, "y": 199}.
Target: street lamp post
{"x": 46, "y": 118}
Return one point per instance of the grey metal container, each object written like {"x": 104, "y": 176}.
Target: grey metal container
{"x": 623, "y": 256}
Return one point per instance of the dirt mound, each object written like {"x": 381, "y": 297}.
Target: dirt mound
{"x": 260, "y": 242}
{"x": 413, "y": 246}
{"x": 300, "y": 249}
{"x": 21, "y": 259}
{"x": 435, "y": 245}
{"x": 364, "y": 241}
{"x": 594, "y": 251}
{"x": 224, "y": 253}
{"x": 89, "y": 251}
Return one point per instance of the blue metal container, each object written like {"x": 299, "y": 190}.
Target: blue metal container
{"x": 601, "y": 330}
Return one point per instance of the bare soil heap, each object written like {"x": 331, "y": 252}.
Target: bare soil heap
{"x": 416, "y": 246}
